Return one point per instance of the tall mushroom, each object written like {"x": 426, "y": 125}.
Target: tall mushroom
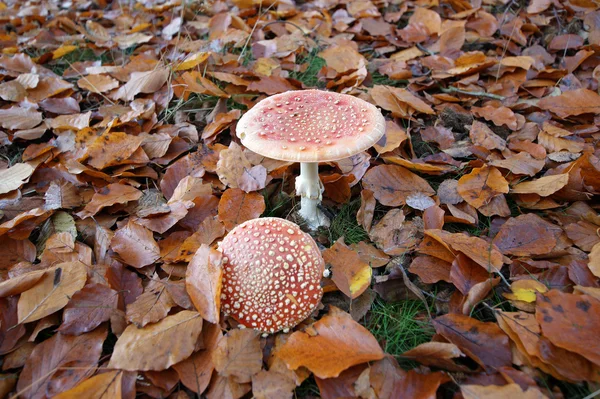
{"x": 310, "y": 126}
{"x": 271, "y": 274}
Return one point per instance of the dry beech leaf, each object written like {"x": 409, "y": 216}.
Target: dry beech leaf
{"x": 483, "y": 342}
{"x": 20, "y": 283}
{"x": 19, "y": 118}
{"x": 157, "y": 346}
{"x": 142, "y": 82}
{"x": 430, "y": 269}
{"x": 237, "y": 206}
{"x": 349, "y": 273}
{"x": 236, "y": 171}
{"x": 568, "y": 321}
{"x": 203, "y": 281}
{"x": 392, "y": 184}
{"x": 110, "y": 195}
{"x": 97, "y": 83}
{"x": 416, "y": 385}
{"x": 14, "y": 177}
{"x": 527, "y": 235}
{"x": 481, "y": 185}
{"x": 88, "y": 308}
{"x": 41, "y": 376}
{"x": 113, "y": 148}
{"x": 152, "y": 306}
{"x": 576, "y": 102}
{"x": 272, "y": 385}
{"x": 135, "y": 245}
{"x": 483, "y": 136}
{"x": 102, "y": 386}
{"x": 436, "y": 354}
{"x": 544, "y": 186}
{"x": 15, "y": 251}
{"x": 339, "y": 343}
{"x": 52, "y": 292}
{"x": 238, "y": 355}
{"x": 500, "y": 392}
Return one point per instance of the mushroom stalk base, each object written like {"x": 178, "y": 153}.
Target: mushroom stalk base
{"x": 310, "y": 189}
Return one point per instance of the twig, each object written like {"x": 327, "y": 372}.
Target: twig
{"x": 452, "y": 89}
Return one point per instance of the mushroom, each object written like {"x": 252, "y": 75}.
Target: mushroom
{"x": 271, "y": 274}
{"x": 310, "y": 126}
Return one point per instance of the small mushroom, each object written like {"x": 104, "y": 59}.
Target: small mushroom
{"x": 271, "y": 274}
{"x": 310, "y": 126}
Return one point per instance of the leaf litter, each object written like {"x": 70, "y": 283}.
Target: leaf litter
{"x": 120, "y": 172}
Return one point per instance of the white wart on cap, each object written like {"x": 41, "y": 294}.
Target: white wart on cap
{"x": 272, "y": 274}
{"x": 311, "y": 126}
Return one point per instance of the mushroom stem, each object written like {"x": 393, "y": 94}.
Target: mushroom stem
{"x": 310, "y": 189}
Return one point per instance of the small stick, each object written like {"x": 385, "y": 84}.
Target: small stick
{"x": 452, "y": 89}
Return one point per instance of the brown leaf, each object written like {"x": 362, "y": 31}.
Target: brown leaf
{"x": 527, "y": 235}
{"x": 157, "y": 346}
{"x": 466, "y": 274}
{"x": 21, "y": 283}
{"x": 127, "y": 284}
{"x": 520, "y": 164}
{"x": 236, "y": 171}
{"x": 499, "y": 116}
{"x": 421, "y": 386}
{"x": 349, "y": 273}
{"x": 436, "y": 354}
{"x": 481, "y": 185}
{"x": 108, "y": 196}
{"x": 392, "y": 184}
{"x": 339, "y": 343}
{"x": 52, "y": 292}
{"x": 401, "y": 102}
{"x": 62, "y": 195}
{"x": 41, "y": 376}
{"x": 152, "y": 306}
{"x": 14, "y": 177}
{"x": 272, "y": 385}
{"x": 483, "y": 342}
{"x": 430, "y": 269}
{"x": 142, "y": 82}
{"x": 135, "y": 245}
{"x": 113, "y": 148}
{"x": 19, "y": 118}
{"x": 203, "y": 281}
{"x": 544, "y": 186}
{"x": 500, "y": 392}
{"x": 97, "y": 83}
{"x": 569, "y": 322}
{"x": 15, "y": 251}
{"x": 237, "y": 206}
{"x": 88, "y": 308}
{"x": 576, "y": 102}
{"x": 364, "y": 216}
{"x": 102, "y": 386}
{"x": 10, "y": 329}
{"x": 238, "y": 355}
{"x": 483, "y": 136}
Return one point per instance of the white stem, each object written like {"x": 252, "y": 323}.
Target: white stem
{"x": 309, "y": 187}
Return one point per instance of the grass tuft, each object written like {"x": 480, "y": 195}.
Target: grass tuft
{"x": 399, "y": 326}
{"x": 345, "y": 224}
{"x": 379, "y": 79}
{"x": 309, "y": 76}
{"x": 308, "y": 388}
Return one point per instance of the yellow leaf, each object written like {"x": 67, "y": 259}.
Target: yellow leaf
{"x": 63, "y": 50}
{"x": 525, "y": 290}
{"x": 102, "y": 386}
{"x": 10, "y": 50}
{"x": 193, "y": 60}
{"x": 140, "y": 27}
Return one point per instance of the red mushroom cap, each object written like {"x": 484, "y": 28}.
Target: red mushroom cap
{"x": 311, "y": 126}
{"x": 271, "y": 274}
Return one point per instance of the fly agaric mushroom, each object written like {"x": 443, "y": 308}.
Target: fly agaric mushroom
{"x": 310, "y": 126}
{"x": 271, "y": 274}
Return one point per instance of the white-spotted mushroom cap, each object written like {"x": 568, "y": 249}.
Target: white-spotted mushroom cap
{"x": 310, "y": 126}
{"x": 271, "y": 274}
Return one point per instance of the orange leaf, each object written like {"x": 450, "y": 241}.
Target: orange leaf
{"x": 238, "y": 354}
{"x": 236, "y": 207}
{"x": 203, "y": 282}
{"x": 575, "y": 102}
{"x": 135, "y": 245}
{"x": 527, "y": 235}
{"x": 101, "y": 386}
{"x": 337, "y": 344}
{"x": 481, "y": 185}
{"x": 392, "y": 184}
{"x": 349, "y": 273}
{"x": 109, "y": 195}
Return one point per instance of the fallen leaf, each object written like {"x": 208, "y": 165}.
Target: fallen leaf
{"x": 142, "y": 82}
{"x": 436, "y": 354}
{"x": 527, "y": 235}
{"x": 113, "y": 148}
{"x": 88, "y": 308}
{"x": 339, "y": 343}
{"x": 525, "y": 290}
{"x": 416, "y": 385}
{"x": 430, "y": 269}
{"x": 349, "y": 273}
{"x": 152, "y": 306}
{"x": 110, "y": 195}
{"x": 481, "y": 185}
{"x": 102, "y": 386}
{"x": 157, "y": 346}
{"x": 272, "y": 385}
{"x": 238, "y": 355}
{"x": 237, "y": 206}
{"x": 19, "y": 118}
{"x": 484, "y": 136}
{"x": 52, "y": 292}
{"x": 14, "y": 177}
{"x": 391, "y": 185}
{"x": 135, "y": 245}
{"x": 544, "y": 186}
{"x": 483, "y": 342}
{"x": 500, "y": 392}
{"x": 97, "y": 83}
{"x": 42, "y": 375}
{"x": 203, "y": 281}
{"x": 236, "y": 171}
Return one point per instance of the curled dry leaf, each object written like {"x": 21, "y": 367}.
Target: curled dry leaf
{"x": 14, "y": 177}
{"x": 142, "y": 82}
{"x": 135, "y": 245}
{"x": 349, "y": 273}
{"x": 102, "y": 386}
{"x": 203, "y": 281}
{"x": 41, "y": 377}
{"x": 237, "y": 206}
{"x": 157, "y": 346}
{"x": 338, "y": 344}
{"x": 238, "y": 354}
{"x": 97, "y": 83}
{"x": 52, "y": 292}
{"x": 483, "y": 342}
{"x": 392, "y": 184}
